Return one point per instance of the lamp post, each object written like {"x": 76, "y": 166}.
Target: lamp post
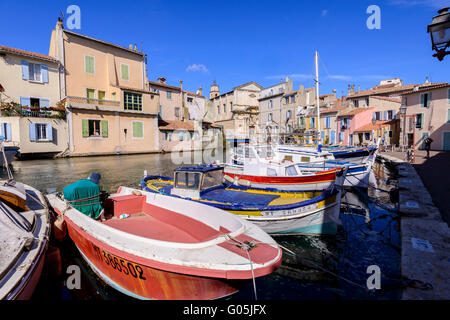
{"x": 439, "y": 30}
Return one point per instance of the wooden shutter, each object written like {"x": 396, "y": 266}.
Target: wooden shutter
{"x": 124, "y": 69}
{"x": 32, "y": 131}
{"x": 8, "y": 136}
{"x": 85, "y": 128}
{"x": 25, "y": 101}
{"x": 49, "y": 131}
{"x": 25, "y": 72}
{"x": 104, "y": 128}
{"x": 138, "y": 131}
{"x": 44, "y": 73}
{"x": 422, "y": 100}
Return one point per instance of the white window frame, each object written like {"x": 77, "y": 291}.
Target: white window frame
{"x": 37, "y": 126}
{"x": 40, "y": 72}
{"x": 88, "y": 55}
{"x": 132, "y": 130}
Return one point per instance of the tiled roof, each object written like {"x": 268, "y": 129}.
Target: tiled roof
{"x": 353, "y": 111}
{"x": 27, "y": 54}
{"x": 435, "y": 86}
{"x": 331, "y": 110}
{"x": 387, "y": 89}
{"x": 371, "y": 126}
{"x": 156, "y": 83}
{"x": 178, "y": 125}
{"x": 388, "y": 99}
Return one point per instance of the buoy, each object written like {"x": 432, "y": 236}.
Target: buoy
{"x": 59, "y": 228}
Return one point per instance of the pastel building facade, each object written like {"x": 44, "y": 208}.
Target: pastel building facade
{"x": 270, "y": 107}
{"x": 109, "y": 109}
{"x": 29, "y": 95}
{"x": 349, "y": 120}
{"x": 428, "y": 115}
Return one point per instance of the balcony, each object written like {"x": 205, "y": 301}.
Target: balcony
{"x": 82, "y": 101}
{"x": 16, "y": 110}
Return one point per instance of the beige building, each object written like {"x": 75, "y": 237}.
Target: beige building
{"x": 109, "y": 109}
{"x": 29, "y": 98}
{"x": 237, "y": 110}
{"x": 427, "y": 110}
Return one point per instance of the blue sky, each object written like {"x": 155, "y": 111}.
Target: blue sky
{"x": 234, "y": 42}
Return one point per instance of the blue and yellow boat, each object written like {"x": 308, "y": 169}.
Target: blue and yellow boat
{"x": 275, "y": 211}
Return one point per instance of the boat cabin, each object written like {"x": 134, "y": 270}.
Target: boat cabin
{"x": 190, "y": 181}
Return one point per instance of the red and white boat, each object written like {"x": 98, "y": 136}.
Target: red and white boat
{"x": 263, "y": 172}
{"x": 168, "y": 248}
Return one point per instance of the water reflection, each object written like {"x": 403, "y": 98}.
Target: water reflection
{"x": 368, "y": 235}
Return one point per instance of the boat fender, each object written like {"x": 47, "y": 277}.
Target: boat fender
{"x": 244, "y": 182}
{"x": 228, "y": 178}
{"x": 59, "y": 228}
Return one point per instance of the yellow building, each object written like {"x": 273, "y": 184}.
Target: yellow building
{"x": 109, "y": 109}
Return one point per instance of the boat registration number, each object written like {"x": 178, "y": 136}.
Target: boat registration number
{"x": 126, "y": 267}
{"x": 290, "y": 212}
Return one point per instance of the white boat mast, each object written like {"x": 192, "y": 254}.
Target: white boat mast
{"x": 317, "y": 96}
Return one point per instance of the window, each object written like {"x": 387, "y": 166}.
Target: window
{"x": 312, "y": 123}
{"x": 5, "y": 131}
{"x": 377, "y": 115}
{"x": 270, "y": 117}
{"x": 34, "y": 72}
{"x": 292, "y": 99}
{"x": 448, "y": 115}
{"x": 419, "y": 121}
{"x": 101, "y": 96}
{"x": 187, "y": 180}
{"x": 291, "y": 171}
{"x": 341, "y": 136}
{"x": 169, "y": 95}
{"x": 124, "y": 71}
{"x": 94, "y": 128}
{"x": 138, "y": 129}
{"x": 328, "y": 122}
{"x": 271, "y": 172}
{"x": 287, "y": 100}
{"x": 224, "y": 108}
{"x": 425, "y": 100}
{"x": 367, "y": 135}
{"x": 169, "y": 136}
{"x": 181, "y": 136}
{"x": 113, "y": 96}
{"x": 390, "y": 134}
{"x": 164, "y": 135}
{"x": 90, "y": 94}
{"x": 190, "y": 100}
{"x": 89, "y": 64}
{"x": 270, "y": 104}
{"x": 288, "y": 114}
{"x": 177, "y": 112}
{"x": 41, "y": 131}
{"x": 367, "y": 102}
{"x": 132, "y": 101}
{"x": 188, "y": 136}
{"x": 218, "y": 109}
{"x": 356, "y": 103}
{"x": 195, "y": 135}
{"x": 212, "y": 179}
{"x": 231, "y": 105}
{"x": 34, "y": 102}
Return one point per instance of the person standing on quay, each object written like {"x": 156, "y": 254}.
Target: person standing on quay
{"x": 428, "y": 142}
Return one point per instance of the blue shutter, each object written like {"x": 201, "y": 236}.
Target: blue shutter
{"x": 422, "y": 100}
{"x": 2, "y": 134}
{"x": 333, "y": 136}
{"x": 374, "y": 115}
{"x": 25, "y": 73}
{"x": 44, "y": 103}
{"x": 8, "y": 136}
{"x": 322, "y": 135}
{"x": 44, "y": 72}
{"x": 32, "y": 131}
{"x": 25, "y": 101}
{"x": 385, "y": 115}
{"x": 49, "y": 132}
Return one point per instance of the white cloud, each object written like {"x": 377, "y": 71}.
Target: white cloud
{"x": 324, "y": 13}
{"x": 197, "y": 68}
{"x": 340, "y": 77}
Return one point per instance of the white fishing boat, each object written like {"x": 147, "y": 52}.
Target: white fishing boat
{"x": 24, "y": 237}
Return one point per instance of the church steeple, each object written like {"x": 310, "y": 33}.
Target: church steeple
{"x": 214, "y": 91}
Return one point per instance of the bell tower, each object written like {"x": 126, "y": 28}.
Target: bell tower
{"x": 214, "y": 91}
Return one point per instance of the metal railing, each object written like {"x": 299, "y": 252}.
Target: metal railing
{"x": 96, "y": 102}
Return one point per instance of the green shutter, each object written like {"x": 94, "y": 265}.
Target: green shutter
{"x": 138, "y": 131}
{"x": 124, "y": 68}
{"x": 104, "y": 128}
{"x": 85, "y": 128}
{"x": 422, "y": 100}
{"x": 448, "y": 96}
{"x": 448, "y": 115}
{"x": 429, "y": 100}
{"x": 89, "y": 64}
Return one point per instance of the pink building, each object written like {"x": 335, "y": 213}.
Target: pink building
{"x": 428, "y": 115}
{"x": 351, "y": 119}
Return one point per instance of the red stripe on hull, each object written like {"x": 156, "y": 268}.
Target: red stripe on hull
{"x": 326, "y": 176}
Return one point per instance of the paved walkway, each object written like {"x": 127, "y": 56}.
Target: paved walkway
{"x": 435, "y": 175}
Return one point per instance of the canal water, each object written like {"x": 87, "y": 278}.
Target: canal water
{"x": 327, "y": 267}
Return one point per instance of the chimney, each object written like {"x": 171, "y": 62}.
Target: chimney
{"x": 135, "y": 48}
{"x": 181, "y": 84}
{"x": 162, "y": 80}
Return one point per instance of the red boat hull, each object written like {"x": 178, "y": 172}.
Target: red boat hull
{"x": 144, "y": 282}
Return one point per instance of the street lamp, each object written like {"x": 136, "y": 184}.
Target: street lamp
{"x": 439, "y": 30}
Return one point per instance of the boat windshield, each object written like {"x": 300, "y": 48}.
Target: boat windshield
{"x": 212, "y": 179}
{"x": 187, "y": 180}
{"x": 291, "y": 171}
{"x": 265, "y": 152}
